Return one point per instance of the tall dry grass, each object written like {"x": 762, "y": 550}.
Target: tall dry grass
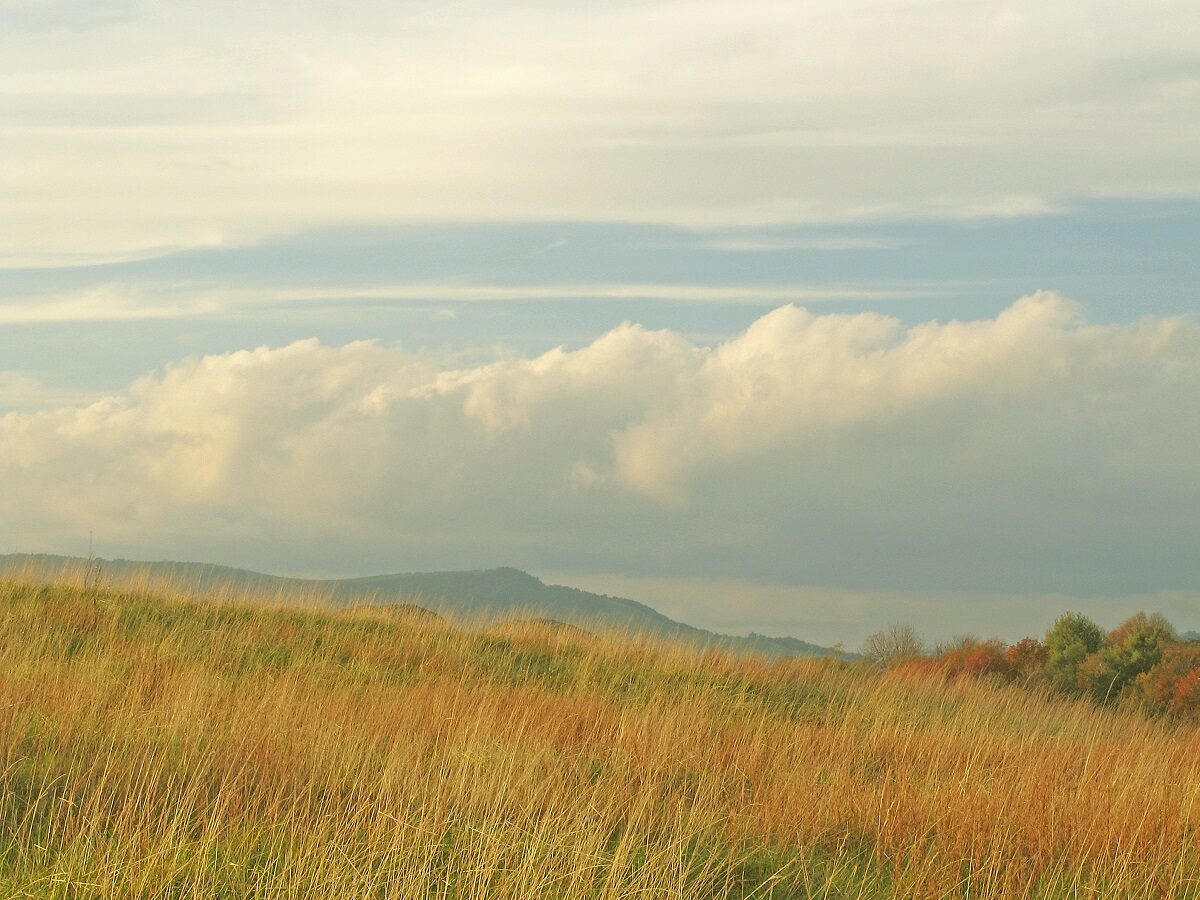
{"x": 156, "y": 746}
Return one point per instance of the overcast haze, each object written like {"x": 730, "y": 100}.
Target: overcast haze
{"x": 787, "y": 317}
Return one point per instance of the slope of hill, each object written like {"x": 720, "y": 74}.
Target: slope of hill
{"x": 476, "y": 594}
{"x": 163, "y": 748}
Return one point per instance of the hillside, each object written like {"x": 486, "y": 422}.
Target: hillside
{"x": 479, "y": 594}
{"x": 160, "y": 748}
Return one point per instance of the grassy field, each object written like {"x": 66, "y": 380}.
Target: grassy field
{"x": 163, "y": 747}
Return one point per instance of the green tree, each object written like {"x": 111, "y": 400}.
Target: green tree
{"x": 1072, "y": 639}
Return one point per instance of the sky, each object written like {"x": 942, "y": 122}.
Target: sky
{"x": 795, "y": 318}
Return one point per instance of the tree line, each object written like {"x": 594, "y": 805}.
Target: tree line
{"x": 1142, "y": 663}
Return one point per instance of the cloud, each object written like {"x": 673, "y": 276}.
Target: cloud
{"x": 832, "y": 242}
{"x": 1031, "y": 451}
{"x": 162, "y": 125}
{"x": 115, "y": 302}
{"x": 108, "y": 303}
{"x": 20, "y": 390}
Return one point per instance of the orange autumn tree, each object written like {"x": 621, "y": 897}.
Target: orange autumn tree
{"x": 1172, "y": 686}
{"x": 1026, "y": 660}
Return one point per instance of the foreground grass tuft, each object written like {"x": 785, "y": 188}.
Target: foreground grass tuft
{"x": 161, "y": 747}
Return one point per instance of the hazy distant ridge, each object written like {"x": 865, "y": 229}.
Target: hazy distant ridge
{"x": 487, "y": 593}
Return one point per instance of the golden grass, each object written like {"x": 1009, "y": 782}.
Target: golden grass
{"x": 169, "y": 748}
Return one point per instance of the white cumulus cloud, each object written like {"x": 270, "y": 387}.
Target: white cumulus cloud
{"x": 1033, "y": 450}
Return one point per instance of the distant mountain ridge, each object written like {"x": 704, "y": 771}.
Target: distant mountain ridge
{"x": 481, "y": 593}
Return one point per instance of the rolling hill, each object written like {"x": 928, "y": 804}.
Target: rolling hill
{"x": 167, "y": 746}
{"x": 486, "y": 594}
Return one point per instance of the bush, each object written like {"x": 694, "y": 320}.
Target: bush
{"x": 965, "y": 657}
{"x": 919, "y": 667}
{"x": 1026, "y": 660}
{"x": 1173, "y": 686}
{"x": 975, "y": 658}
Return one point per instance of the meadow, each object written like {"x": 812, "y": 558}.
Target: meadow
{"x": 158, "y": 745}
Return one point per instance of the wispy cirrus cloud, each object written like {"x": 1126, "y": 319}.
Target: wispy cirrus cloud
{"x": 109, "y": 303}
{"x": 165, "y": 125}
{"x": 148, "y": 301}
